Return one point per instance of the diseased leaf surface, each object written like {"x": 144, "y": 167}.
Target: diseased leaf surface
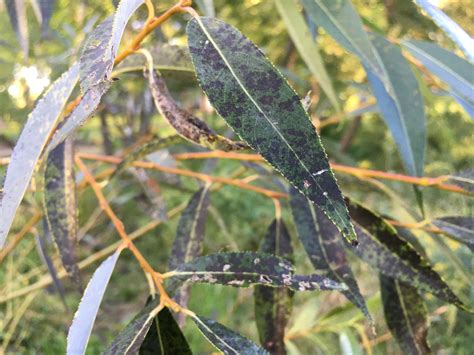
{"x": 457, "y": 34}
{"x": 382, "y": 248}
{"x": 226, "y": 340}
{"x": 307, "y": 47}
{"x": 257, "y": 102}
{"x": 401, "y": 104}
{"x": 30, "y": 144}
{"x": 325, "y": 249}
{"x": 81, "y": 327}
{"x": 60, "y": 205}
{"x": 406, "y": 315}
{"x": 340, "y": 20}
{"x": 273, "y": 305}
{"x": 460, "y": 228}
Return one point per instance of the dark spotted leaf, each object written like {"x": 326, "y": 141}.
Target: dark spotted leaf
{"x": 455, "y": 71}
{"x": 100, "y": 50}
{"x": 325, "y": 249}
{"x": 273, "y": 305}
{"x": 341, "y": 21}
{"x": 401, "y": 104}
{"x": 27, "y": 151}
{"x": 81, "y": 327}
{"x": 17, "y": 13}
{"x": 165, "y": 337}
{"x": 166, "y": 58}
{"x": 226, "y": 340}
{"x": 406, "y": 315}
{"x": 457, "y": 34}
{"x": 307, "y": 47}
{"x": 185, "y": 124}
{"x": 382, "y": 248}
{"x": 60, "y": 205}
{"x": 244, "y": 269}
{"x": 145, "y": 149}
{"x": 460, "y": 228}
{"x": 258, "y": 103}
{"x": 89, "y": 102}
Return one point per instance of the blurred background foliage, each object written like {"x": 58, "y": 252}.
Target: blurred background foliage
{"x": 323, "y": 323}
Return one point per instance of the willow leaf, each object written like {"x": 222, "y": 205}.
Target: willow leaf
{"x": 326, "y": 251}
{"x": 185, "y": 124}
{"x": 457, "y": 34}
{"x": 101, "y": 47}
{"x": 81, "y": 327}
{"x": 466, "y": 104}
{"x": 455, "y": 71}
{"x": 27, "y": 151}
{"x": 382, "y": 248}
{"x": 226, "y": 340}
{"x": 401, "y": 104}
{"x": 60, "y": 205}
{"x": 463, "y": 179}
{"x": 406, "y": 315}
{"x": 17, "y": 13}
{"x": 165, "y": 337}
{"x": 273, "y": 305}
{"x": 257, "y": 102}
{"x": 340, "y": 20}
{"x": 45, "y": 8}
{"x": 460, "y": 228}
{"x": 307, "y": 47}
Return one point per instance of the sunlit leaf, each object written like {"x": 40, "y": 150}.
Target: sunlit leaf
{"x": 17, "y": 13}
{"x": 402, "y": 106}
{"x": 186, "y": 124}
{"x": 325, "y": 249}
{"x": 165, "y": 337}
{"x": 226, "y": 340}
{"x": 60, "y": 205}
{"x": 341, "y": 21}
{"x": 273, "y": 305}
{"x": 257, "y": 102}
{"x": 244, "y": 269}
{"x": 81, "y": 326}
{"x": 457, "y": 34}
{"x": 383, "y": 249}
{"x": 406, "y": 315}
{"x": 307, "y": 47}
{"x": 27, "y": 151}
{"x": 101, "y": 48}
{"x": 455, "y": 71}
{"x": 460, "y": 228}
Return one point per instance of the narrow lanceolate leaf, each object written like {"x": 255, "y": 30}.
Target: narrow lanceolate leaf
{"x": 460, "y": 228}
{"x": 27, "y": 151}
{"x": 165, "y": 337}
{"x": 244, "y": 269}
{"x": 17, "y": 13}
{"x": 257, "y": 102}
{"x": 455, "y": 71}
{"x": 341, "y": 21}
{"x": 402, "y": 106}
{"x": 101, "y": 48}
{"x": 226, "y": 340}
{"x": 185, "y": 124}
{"x": 457, "y": 34}
{"x": 60, "y": 205}
{"x": 406, "y": 315}
{"x": 383, "y": 249}
{"x": 190, "y": 233}
{"x": 463, "y": 179}
{"x": 273, "y": 305}
{"x": 325, "y": 249}
{"x": 81, "y": 326}
{"x": 307, "y": 47}
{"x": 45, "y": 8}
{"x": 466, "y": 104}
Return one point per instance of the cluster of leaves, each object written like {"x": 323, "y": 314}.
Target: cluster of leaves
{"x": 257, "y": 102}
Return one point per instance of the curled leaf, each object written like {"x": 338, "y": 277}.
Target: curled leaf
{"x": 258, "y": 103}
